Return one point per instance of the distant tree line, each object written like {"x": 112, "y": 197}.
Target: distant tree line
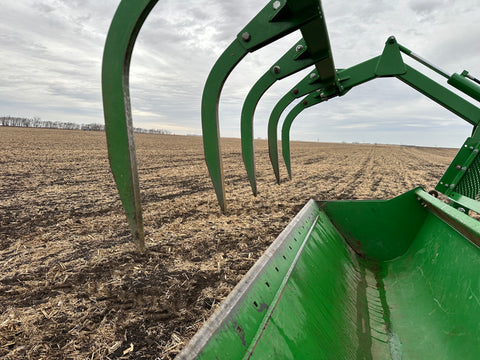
{"x": 36, "y": 122}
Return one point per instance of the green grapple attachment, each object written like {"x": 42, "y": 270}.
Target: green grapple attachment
{"x": 121, "y": 37}
{"x": 310, "y": 83}
{"x": 313, "y": 49}
{"x": 276, "y": 19}
{"x": 371, "y": 279}
{"x": 296, "y": 59}
{"x": 320, "y": 95}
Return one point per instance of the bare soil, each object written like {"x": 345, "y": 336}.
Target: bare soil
{"x": 73, "y": 286}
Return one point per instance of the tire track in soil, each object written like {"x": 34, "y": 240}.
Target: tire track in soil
{"x": 349, "y": 189}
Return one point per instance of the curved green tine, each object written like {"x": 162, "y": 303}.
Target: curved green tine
{"x": 294, "y": 60}
{"x": 318, "y": 50}
{"x": 121, "y": 37}
{"x": 275, "y": 20}
{"x": 210, "y": 99}
{"x": 305, "y": 86}
{"x": 308, "y": 101}
{"x": 346, "y": 80}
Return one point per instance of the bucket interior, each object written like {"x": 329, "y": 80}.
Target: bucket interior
{"x": 395, "y": 279}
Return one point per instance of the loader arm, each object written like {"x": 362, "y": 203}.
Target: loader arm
{"x": 415, "y": 79}
{"x": 347, "y": 79}
{"x": 389, "y": 63}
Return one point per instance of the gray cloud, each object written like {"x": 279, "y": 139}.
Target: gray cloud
{"x": 52, "y": 49}
{"x": 426, "y": 7}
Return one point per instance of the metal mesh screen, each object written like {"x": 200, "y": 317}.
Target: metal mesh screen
{"x": 469, "y": 185}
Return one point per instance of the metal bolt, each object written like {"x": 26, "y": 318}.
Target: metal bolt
{"x": 295, "y": 91}
{"x": 246, "y": 36}
{"x": 305, "y": 102}
{"x": 462, "y": 210}
{"x": 471, "y": 147}
{"x": 391, "y": 40}
{"x": 276, "y": 69}
{"x": 458, "y": 167}
{"x": 322, "y": 94}
{"x": 276, "y": 5}
{"x": 299, "y": 48}
{"x": 312, "y": 76}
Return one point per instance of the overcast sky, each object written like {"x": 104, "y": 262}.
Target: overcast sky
{"x": 51, "y": 52}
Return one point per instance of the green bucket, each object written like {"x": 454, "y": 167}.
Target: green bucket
{"x": 384, "y": 279}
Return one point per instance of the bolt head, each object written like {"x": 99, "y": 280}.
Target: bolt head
{"x": 299, "y": 48}
{"x": 458, "y": 167}
{"x": 391, "y": 40}
{"x": 295, "y": 91}
{"x": 276, "y": 5}
{"x": 276, "y": 69}
{"x": 305, "y": 102}
{"x": 313, "y": 76}
{"x": 246, "y": 36}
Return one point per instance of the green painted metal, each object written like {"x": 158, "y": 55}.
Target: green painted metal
{"x": 275, "y": 20}
{"x": 121, "y": 37}
{"x": 388, "y": 64}
{"x": 463, "y": 82}
{"x": 354, "y": 221}
{"x": 441, "y": 95}
{"x": 297, "y": 58}
{"x": 308, "y": 101}
{"x": 406, "y": 289}
{"x": 211, "y": 95}
{"x": 423, "y": 61}
{"x": 377, "y": 279}
{"x": 461, "y": 181}
{"x": 313, "y": 49}
{"x": 308, "y": 84}
{"x": 229, "y": 334}
{"x": 346, "y": 80}
{"x": 465, "y": 85}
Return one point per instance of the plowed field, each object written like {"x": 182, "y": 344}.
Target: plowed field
{"x": 71, "y": 282}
